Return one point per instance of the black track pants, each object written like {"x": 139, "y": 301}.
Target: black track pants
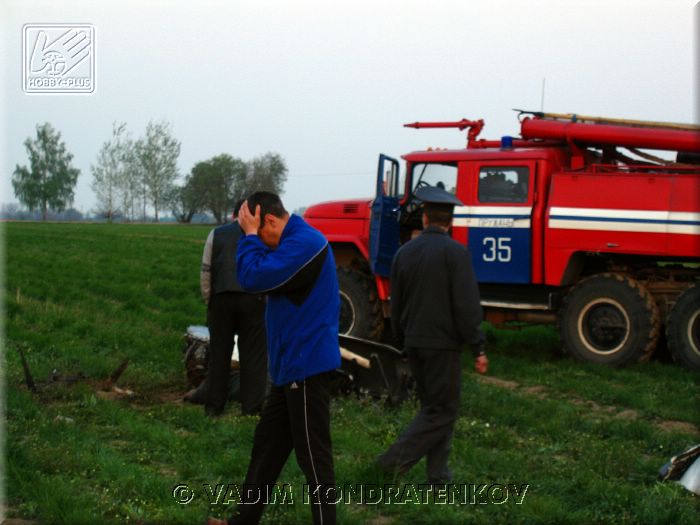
{"x": 295, "y": 417}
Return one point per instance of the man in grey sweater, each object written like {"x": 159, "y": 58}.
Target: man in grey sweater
{"x": 231, "y": 312}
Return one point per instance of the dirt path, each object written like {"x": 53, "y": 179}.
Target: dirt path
{"x": 629, "y": 414}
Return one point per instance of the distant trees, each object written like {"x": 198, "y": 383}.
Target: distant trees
{"x": 130, "y": 177}
{"x": 129, "y": 184}
{"x": 156, "y": 158}
{"x": 220, "y": 182}
{"x": 266, "y": 172}
{"x": 111, "y": 172}
{"x": 183, "y": 201}
{"x": 49, "y": 181}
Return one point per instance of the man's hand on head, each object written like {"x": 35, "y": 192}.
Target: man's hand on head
{"x": 250, "y": 223}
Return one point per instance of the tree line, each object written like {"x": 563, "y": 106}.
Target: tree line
{"x": 131, "y": 176}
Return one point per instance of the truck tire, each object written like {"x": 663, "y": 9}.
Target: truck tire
{"x": 609, "y": 319}
{"x": 360, "y": 311}
{"x": 683, "y": 329}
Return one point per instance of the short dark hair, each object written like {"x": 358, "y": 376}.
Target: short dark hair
{"x": 439, "y": 214}
{"x": 237, "y": 207}
{"x": 269, "y": 203}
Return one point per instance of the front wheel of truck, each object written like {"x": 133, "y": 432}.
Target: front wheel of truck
{"x": 609, "y": 319}
{"x": 360, "y": 309}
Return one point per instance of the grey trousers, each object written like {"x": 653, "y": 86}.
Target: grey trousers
{"x": 438, "y": 383}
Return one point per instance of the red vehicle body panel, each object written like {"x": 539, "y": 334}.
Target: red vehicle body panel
{"x": 642, "y": 214}
{"x": 353, "y": 226}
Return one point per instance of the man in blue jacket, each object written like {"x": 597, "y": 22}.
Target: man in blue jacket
{"x": 285, "y": 258}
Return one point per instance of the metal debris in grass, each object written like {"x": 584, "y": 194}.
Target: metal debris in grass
{"x": 106, "y": 389}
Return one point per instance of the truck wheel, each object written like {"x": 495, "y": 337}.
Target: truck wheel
{"x": 683, "y": 329}
{"x": 360, "y": 312}
{"x": 609, "y": 319}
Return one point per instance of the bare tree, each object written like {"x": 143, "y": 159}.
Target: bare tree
{"x": 156, "y": 155}
{"x": 130, "y": 183}
{"x": 110, "y": 171}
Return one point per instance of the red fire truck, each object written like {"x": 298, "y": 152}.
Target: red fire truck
{"x": 574, "y": 223}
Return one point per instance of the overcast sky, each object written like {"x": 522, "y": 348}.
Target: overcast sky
{"x": 329, "y": 84}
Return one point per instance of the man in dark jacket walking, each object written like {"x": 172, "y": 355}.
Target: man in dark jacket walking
{"x": 435, "y": 311}
{"x": 231, "y": 311}
{"x": 285, "y": 258}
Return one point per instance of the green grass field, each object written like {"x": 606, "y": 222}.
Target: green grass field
{"x": 81, "y": 298}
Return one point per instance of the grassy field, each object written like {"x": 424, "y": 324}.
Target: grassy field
{"x": 588, "y": 441}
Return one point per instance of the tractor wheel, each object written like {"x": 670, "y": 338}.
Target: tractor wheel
{"x": 609, "y": 319}
{"x": 360, "y": 311}
{"x": 683, "y": 329}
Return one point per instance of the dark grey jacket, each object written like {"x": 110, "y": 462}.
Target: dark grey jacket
{"x": 218, "y": 273}
{"x": 434, "y": 295}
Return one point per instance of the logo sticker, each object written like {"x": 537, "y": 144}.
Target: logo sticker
{"x": 58, "y": 58}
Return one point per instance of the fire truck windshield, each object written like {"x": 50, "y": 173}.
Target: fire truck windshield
{"x": 439, "y": 175}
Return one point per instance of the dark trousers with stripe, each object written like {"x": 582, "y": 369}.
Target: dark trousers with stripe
{"x": 295, "y": 417}
{"x": 239, "y": 314}
{"x": 438, "y": 384}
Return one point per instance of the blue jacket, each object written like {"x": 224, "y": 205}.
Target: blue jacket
{"x": 303, "y": 305}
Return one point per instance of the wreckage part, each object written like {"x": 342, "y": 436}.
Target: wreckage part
{"x": 27, "y": 373}
{"x": 196, "y": 354}
{"x": 114, "y": 377}
{"x": 198, "y": 332}
{"x": 679, "y": 464}
{"x": 381, "y": 371}
{"x": 388, "y": 378}
{"x": 343, "y": 382}
{"x": 352, "y": 356}
{"x": 195, "y": 362}
{"x": 691, "y": 478}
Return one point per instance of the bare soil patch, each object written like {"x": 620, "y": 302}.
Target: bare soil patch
{"x": 627, "y": 414}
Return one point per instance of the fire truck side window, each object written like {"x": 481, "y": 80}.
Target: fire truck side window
{"x": 439, "y": 175}
{"x": 503, "y": 184}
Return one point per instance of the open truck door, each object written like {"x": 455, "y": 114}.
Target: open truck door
{"x": 384, "y": 238}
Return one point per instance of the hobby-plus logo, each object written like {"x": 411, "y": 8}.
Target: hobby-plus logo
{"x": 58, "y": 58}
